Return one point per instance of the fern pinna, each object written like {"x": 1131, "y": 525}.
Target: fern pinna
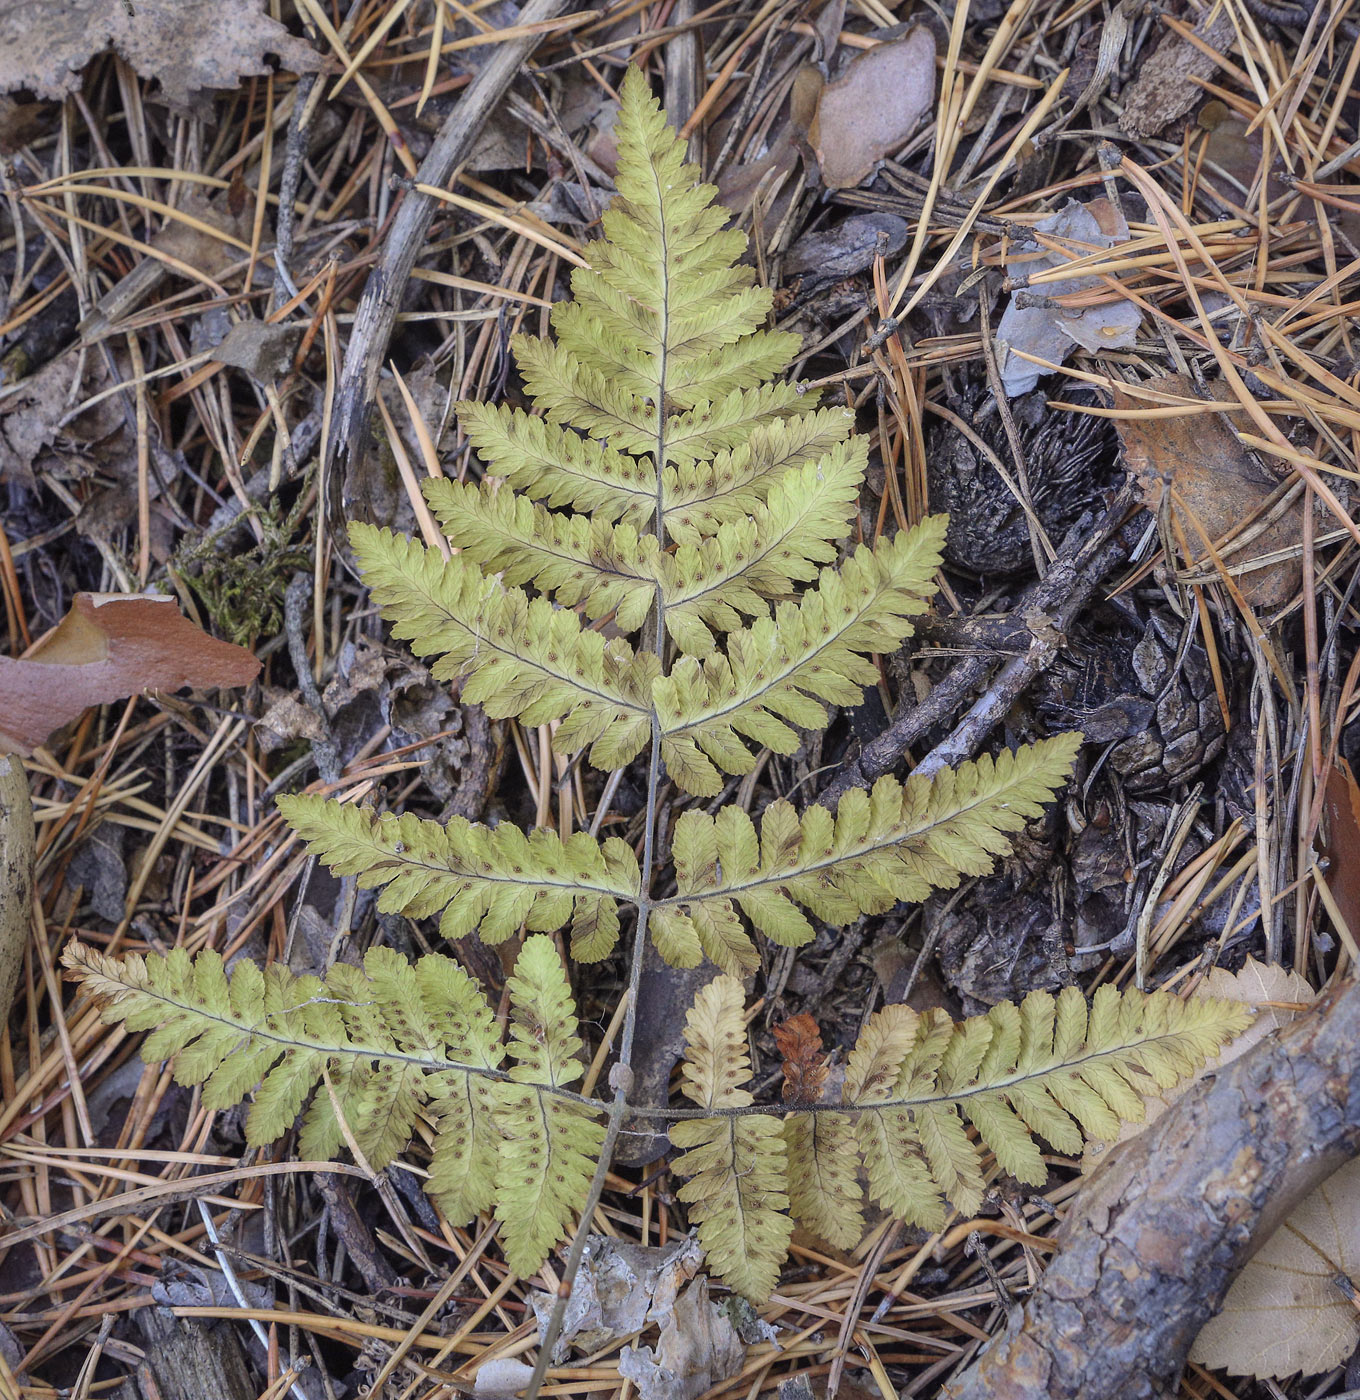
{"x": 391, "y": 1045}
{"x": 674, "y": 488}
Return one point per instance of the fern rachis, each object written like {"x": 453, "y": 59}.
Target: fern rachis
{"x": 672, "y": 484}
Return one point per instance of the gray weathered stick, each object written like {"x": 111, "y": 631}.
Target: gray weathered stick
{"x": 377, "y": 310}
{"x": 16, "y": 875}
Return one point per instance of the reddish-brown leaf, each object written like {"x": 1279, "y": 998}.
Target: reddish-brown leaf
{"x": 109, "y": 646}
{"x": 805, "y": 1070}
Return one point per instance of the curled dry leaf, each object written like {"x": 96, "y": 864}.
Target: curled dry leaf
{"x": 1051, "y": 332}
{"x": 1286, "y": 1311}
{"x": 1217, "y": 486}
{"x": 621, "y": 1288}
{"x": 191, "y": 46}
{"x": 697, "y": 1350}
{"x": 109, "y": 646}
{"x": 872, "y": 107}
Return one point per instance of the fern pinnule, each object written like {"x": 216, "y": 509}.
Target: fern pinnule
{"x": 737, "y": 1192}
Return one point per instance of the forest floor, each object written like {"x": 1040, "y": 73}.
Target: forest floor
{"x": 1150, "y": 485}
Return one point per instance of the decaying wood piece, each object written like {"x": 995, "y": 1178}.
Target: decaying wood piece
{"x": 16, "y": 875}
{"x": 1151, "y": 1243}
{"x": 376, "y": 314}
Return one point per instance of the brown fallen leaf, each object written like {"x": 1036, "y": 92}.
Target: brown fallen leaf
{"x": 191, "y": 46}
{"x": 109, "y": 646}
{"x": 1218, "y": 488}
{"x": 805, "y": 1069}
{"x": 1286, "y": 1312}
{"x": 872, "y": 107}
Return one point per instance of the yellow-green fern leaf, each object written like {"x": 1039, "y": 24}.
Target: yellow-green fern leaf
{"x": 551, "y": 463}
{"x": 824, "y": 1189}
{"x": 1033, "y": 1070}
{"x": 778, "y": 672}
{"x": 665, "y": 309}
{"x": 737, "y": 1165}
{"x": 898, "y": 1177}
{"x": 750, "y": 561}
{"x": 549, "y": 1144}
{"x": 897, "y": 842}
{"x": 392, "y": 1040}
{"x": 608, "y": 568}
{"x": 488, "y": 879}
{"x": 467, "y": 1139}
{"x": 517, "y": 657}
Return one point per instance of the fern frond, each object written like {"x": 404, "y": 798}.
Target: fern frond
{"x": 782, "y": 669}
{"x": 550, "y": 1145}
{"x": 899, "y": 842}
{"x": 549, "y": 462}
{"x": 491, "y": 879}
{"x": 517, "y": 657}
{"x": 737, "y": 1166}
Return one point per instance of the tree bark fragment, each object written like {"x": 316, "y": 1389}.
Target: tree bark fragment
{"x": 1150, "y": 1245}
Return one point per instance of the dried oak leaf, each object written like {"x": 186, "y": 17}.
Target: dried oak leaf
{"x": 190, "y": 45}
{"x": 109, "y": 646}
{"x": 1218, "y": 488}
{"x": 872, "y": 107}
{"x": 1286, "y": 1311}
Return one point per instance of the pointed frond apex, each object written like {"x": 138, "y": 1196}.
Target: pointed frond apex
{"x": 489, "y": 880}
